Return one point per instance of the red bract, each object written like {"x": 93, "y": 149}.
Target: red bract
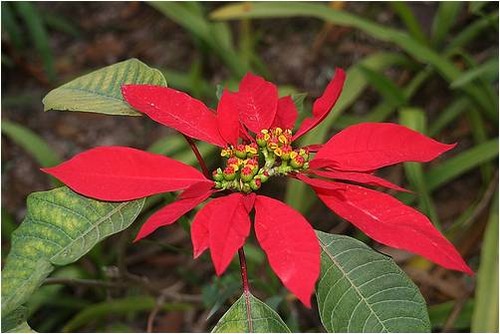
{"x": 222, "y": 226}
{"x": 117, "y": 173}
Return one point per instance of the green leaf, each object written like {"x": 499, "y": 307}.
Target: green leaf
{"x": 60, "y": 227}
{"x": 14, "y": 319}
{"x": 391, "y": 93}
{"x": 100, "y": 91}
{"x": 445, "y": 18}
{"x": 406, "y": 15}
{"x": 250, "y": 315}
{"x": 480, "y": 135}
{"x": 21, "y": 328}
{"x": 184, "y": 82}
{"x": 462, "y": 163}
{"x": 475, "y": 7}
{"x": 38, "y": 34}
{"x": 59, "y": 22}
{"x": 415, "y": 119}
{"x": 441, "y": 312}
{"x": 298, "y": 100}
{"x": 169, "y": 145}
{"x": 383, "y": 110}
{"x": 448, "y": 115}
{"x": 489, "y": 70}
{"x": 360, "y": 290}
{"x": 485, "y": 316}
{"x": 11, "y": 27}
{"x": 31, "y": 143}
{"x": 471, "y": 31}
{"x": 212, "y": 34}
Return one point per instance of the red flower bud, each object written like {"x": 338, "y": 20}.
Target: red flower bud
{"x": 217, "y": 175}
{"x": 264, "y": 176}
{"x": 255, "y": 184}
{"x": 247, "y": 173}
{"x": 240, "y": 151}
{"x": 285, "y": 152}
{"x": 229, "y": 173}
{"x": 233, "y": 161}
{"x": 297, "y": 162}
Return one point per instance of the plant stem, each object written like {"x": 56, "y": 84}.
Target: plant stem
{"x": 198, "y": 156}
{"x": 244, "y": 274}
{"x": 246, "y": 288}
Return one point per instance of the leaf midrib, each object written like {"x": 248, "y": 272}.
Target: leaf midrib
{"x": 248, "y": 305}
{"x": 332, "y": 258}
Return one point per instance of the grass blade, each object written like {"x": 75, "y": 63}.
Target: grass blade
{"x": 415, "y": 119}
{"x": 405, "y": 14}
{"x": 462, "y": 163}
{"x": 472, "y": 31}
{"x": 11, "y": 26}
{"x": 193, "y": 21}
{"x": 390, "y": 92}
{"x": 448, "y": 115}
{"x": 444, "y": 19}
{"x": 487, "y": 71}
{"x": 35, "y": 145}
{"x": 485, "y": 316}
{"x": 38, "y": 35}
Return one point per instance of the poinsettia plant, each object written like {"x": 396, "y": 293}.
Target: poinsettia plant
{"x": 254, "y": 129}
{"x": 256, "y": 132}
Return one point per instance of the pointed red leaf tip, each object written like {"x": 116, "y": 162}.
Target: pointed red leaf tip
{"x": 116, "y": 173}
{"x": 286, "y": 114}
{"x": 324, "y": 104}
{"x": 176, "y": 110}
{"x": 257, "y": 102}
{"x": 291, "y": 246}
{"x": 363, "y": 178}
{"x": 227, "y": 117}
{"x": 223, "y": 225}
{"x": 170, "y": 213}
{"x": 369, "y": 146}
{"x": 388, "y": 221}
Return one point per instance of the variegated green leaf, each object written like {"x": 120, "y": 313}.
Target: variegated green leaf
{"x": 100, "y": 91}
{"x": 60, "y": 227}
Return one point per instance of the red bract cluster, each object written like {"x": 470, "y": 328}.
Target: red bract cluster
{"x": 339, "y": 173}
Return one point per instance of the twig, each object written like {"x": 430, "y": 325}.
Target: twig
{"x": 129, "y": 280}
{"x": 455, "y": 312}
{"x": 85, "y": 282}
{"x": 198, "y": 156}
{"x": 151, "y": 318}
{"x": 476, "y": 230}
{"x": 159, "y": 303}
{"x": 485, "y": 200}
